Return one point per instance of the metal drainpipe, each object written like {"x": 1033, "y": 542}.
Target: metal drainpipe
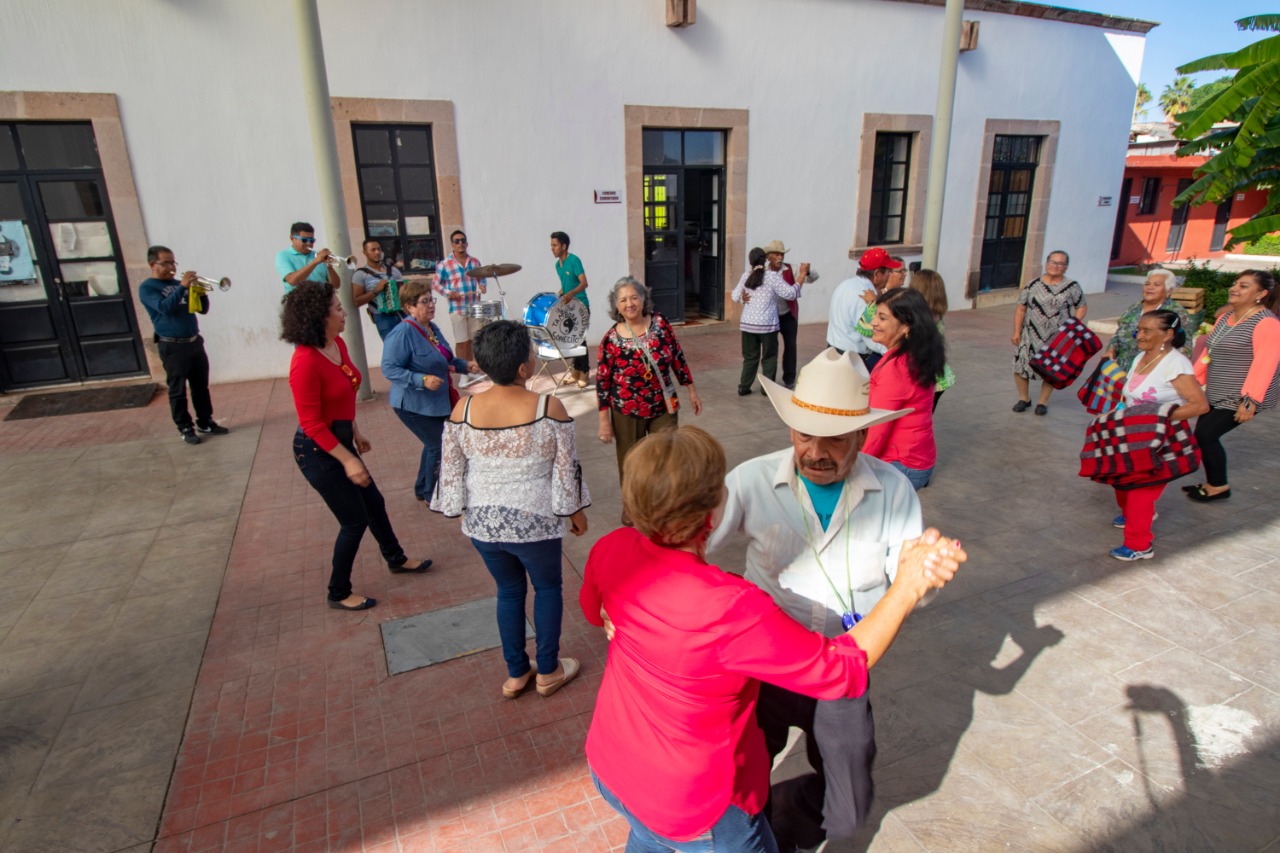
{"x": 324, "y": 146}
{"x": 949, "y": 58}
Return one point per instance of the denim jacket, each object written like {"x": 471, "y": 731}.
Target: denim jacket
{"x": 407, "y": 356}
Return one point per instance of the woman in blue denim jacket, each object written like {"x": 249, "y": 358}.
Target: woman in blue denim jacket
{"x": 417, "y": 360}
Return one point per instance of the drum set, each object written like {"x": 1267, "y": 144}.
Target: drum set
{"x": 565, "y": 322}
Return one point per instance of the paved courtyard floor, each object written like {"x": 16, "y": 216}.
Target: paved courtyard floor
{"x": 171, "y": 679}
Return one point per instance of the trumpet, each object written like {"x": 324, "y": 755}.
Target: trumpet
{"x": 349, "y": 262}
{"x": 208, "y": 285}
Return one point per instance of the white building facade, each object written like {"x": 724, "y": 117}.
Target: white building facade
{"x": 808, "y": 121}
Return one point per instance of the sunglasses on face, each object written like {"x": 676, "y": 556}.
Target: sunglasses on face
{"x": 307, "y": 240}
{"x": 461, "y": 241}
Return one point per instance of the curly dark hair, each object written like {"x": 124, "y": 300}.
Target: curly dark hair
{"x": 306, "y": 314}
{"x": 922, "y": 346}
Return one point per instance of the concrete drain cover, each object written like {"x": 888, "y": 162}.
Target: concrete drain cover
{"x": 441, "y": 635}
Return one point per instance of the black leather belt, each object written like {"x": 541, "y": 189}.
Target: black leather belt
{"x": 166, "y": 340}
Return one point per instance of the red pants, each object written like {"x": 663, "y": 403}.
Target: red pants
{"x": 1138, "y": 507}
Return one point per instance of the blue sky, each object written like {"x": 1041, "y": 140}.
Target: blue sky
{"x": 1189, "y": 29}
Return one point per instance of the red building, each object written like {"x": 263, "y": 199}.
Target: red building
{"x": 1149, "y": 229}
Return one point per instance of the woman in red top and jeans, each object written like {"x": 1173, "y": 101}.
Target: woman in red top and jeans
{"x": 905, "y": 379}
{"x": 674, "y": 744}
{"x": 327, "y": 445}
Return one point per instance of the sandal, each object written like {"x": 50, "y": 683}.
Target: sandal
{"x": 568, "y": 669}
{"x": 529, "y": 677}
{"x": 1203, "y": 497}
{"x": 405, "y": 569}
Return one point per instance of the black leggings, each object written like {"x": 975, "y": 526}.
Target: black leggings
{"x": 1210, "y": 429}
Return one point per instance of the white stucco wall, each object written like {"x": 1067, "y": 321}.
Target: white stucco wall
{"x": 219, "y": 142}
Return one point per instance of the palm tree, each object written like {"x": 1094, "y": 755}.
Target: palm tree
{"x": 1176, "y": 97}
{"x": 1144, "y": 98}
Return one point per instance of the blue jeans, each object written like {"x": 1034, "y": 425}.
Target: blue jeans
{"x": 735, "y": 832}
{"x": 429, "y": 430}
{"x": 384, "y": 323}
{"x": 357, "y": 509}
{"x": 509, "y": 562}
{"x": 919, "y": 477}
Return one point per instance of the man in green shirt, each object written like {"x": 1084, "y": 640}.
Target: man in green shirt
{"x": 573, "y": 285}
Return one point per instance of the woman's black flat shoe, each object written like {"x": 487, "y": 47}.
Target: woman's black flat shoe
{"x": 1203, "y": 497}
{"x": 364, "y": 605}
{"x": 1022, "y": 405}
{"x": 405, "y": 569}
{"x": 1190, "y": 489}
{"x": 1042, "y": 409}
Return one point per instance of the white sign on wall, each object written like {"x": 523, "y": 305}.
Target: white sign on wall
{"x": 607, "y": 197}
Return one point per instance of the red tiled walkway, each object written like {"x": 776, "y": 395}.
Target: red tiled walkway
{"x": 299, "y": 740}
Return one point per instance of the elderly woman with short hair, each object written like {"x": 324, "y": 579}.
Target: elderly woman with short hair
{"x": 637, "y": 356}
{"x": 417, "y": 361}
{"x": 1155, "y": 297}
{"x": 674, "y": 745}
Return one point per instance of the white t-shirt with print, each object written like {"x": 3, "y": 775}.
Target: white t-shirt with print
{"x": 1157, "y": 386}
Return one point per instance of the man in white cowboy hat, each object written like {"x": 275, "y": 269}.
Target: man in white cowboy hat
{"x": 826, "y": 525}
{"x": 788, "y": 309}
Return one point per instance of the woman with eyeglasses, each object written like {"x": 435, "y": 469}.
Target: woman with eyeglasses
{"x": 417, "y": 360}
{"x": 1043, "y": 306}
{"x": 328, "y": 444}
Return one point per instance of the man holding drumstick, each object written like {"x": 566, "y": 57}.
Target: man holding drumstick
{"x": 573, "y": 285}
{"x": 462, "y": 291}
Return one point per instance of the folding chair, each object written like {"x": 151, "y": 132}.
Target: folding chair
{"x": 549, "y": 351}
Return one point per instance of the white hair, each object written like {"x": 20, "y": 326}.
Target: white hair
{"x": 1170, "y": 280}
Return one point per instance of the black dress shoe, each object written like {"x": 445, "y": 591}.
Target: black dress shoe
{"x": 742, "y": 392}
{"x": 406, "y": 569}
{"x": 1203, "y": 497}
{"x": 1042, "y": 409}
{"x": 1022, "y": 405}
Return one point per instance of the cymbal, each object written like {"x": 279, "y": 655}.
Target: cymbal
{"x": 493, "y": 270}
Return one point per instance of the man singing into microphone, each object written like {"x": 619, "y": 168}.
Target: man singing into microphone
{"x": 177, "y": 337}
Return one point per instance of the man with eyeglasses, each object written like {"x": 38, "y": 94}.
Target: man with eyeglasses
{"x": 168, "y": 301}
{"x": 462, "y": 291}
{"x": 300, "y": 262}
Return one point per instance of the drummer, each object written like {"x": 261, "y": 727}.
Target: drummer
{"x": 461, "y": 290}
{"x": 573, "y": 285}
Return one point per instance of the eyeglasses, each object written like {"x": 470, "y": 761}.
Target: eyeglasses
{"x": 426, "y": 300}
{"x": 459, "y": 241}
{"x": 351, "y": 375}
{"x": 1055, "y": 263}
{"x": 307, "y": 240}
{"x": 166, "y": 263}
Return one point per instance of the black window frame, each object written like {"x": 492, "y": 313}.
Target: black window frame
{"x": 880, "y": 228}
{"x": 429, "y": 247}
{"x": 1150, "y": 197}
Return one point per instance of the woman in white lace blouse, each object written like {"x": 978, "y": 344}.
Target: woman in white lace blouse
{"x": 510, "y": 469}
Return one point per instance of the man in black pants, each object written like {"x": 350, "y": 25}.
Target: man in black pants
{"x": 177, "y": 336}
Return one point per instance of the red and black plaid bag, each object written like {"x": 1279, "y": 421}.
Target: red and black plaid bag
{"x": 1138, "y": 446}
{"x": 1065, "y": 356}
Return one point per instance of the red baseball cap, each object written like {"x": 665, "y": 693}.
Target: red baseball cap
{"x": 878, "y": 259}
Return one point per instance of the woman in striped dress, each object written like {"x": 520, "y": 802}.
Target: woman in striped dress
{"x": 1238, "y": 370}
{"x": 759, "y": 290}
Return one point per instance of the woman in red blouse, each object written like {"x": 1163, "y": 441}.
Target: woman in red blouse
{"x": 328, "y": 444}
{"x": 905, "y": 379}
{"x": 636, "y": 358}
{"x": 674, "y": 744}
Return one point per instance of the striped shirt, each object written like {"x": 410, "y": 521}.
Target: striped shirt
{"x": 454, "y": 284}
{"x": 1242, "y": 361}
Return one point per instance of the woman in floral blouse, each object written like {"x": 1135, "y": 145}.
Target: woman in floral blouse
{"x": 636, "y": 358}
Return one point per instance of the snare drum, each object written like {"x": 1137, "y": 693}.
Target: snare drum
{"x": 567, "y": 322}
{"x": 485, "y": 312}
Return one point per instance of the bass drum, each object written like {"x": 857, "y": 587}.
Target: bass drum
{"x": 566, "y": 322}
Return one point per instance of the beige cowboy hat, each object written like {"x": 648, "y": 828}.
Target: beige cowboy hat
{"x": 775, "y": 246}
{"x": 830, "y": 397}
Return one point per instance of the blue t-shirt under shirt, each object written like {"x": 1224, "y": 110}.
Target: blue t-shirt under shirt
{"x": 824, "y": 498}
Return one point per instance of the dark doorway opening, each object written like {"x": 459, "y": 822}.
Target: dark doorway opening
{"x": 1122, "y": 218}
{"x": 683, "y": 197}
{"x": 1004, "y": 239}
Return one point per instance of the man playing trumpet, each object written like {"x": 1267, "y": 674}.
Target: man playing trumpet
{"x": 177, "y": 337}
{"x": 300, "y": 262}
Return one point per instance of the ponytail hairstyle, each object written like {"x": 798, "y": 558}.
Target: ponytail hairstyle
{"x": 1170, "y": 320}
{"x": 1265, "y": 280}
{"x": 756, "y": 259}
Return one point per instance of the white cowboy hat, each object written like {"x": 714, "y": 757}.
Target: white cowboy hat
{"x": 775, "y": 246}
{"x": 830, "y": 397}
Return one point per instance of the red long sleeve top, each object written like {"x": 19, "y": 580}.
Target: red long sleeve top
{"x": 908, "y": 439}
{"x": 674, "y": 734}
{"x": 323, "y": 392}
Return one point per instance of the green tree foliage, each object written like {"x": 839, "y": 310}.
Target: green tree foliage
{"x": 1176, "y": 97}
{"x": 1144, "y": 98}
{"x": 1200, "y": 95}
{"x": 1244, "y": 151}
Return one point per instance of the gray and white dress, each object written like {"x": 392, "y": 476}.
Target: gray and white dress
{"x": 1048, "y": 307}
